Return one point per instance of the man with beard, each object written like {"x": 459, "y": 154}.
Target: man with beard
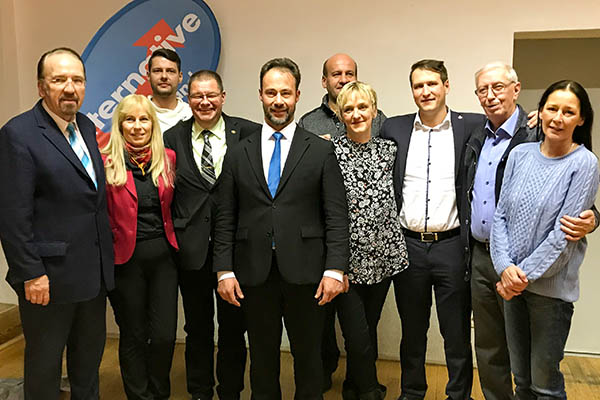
{"x": 164, "y": 74}
{"x": 281, "y": 236}
{"x": 201, "y": 144}
{"x": 55, "y": 231}
{"x": 338, "y": 70}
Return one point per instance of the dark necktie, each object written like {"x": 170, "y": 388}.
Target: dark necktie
{"x": 207, "y": 168}
{"x": 275, "y": 165}
{"x": 77, "y": 147}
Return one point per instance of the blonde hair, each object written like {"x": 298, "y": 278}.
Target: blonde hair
{"x": 116, "y": 171}
{"x": 363, "y": 89}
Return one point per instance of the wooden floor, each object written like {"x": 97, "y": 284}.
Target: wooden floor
{"x": 582, "y": 376}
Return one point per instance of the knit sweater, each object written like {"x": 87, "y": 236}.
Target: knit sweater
{"x": 536, "y": 192}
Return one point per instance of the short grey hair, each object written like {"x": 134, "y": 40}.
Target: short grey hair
{"x": 511, "y": 74}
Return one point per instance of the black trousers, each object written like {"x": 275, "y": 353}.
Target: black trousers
{"x": 81, "y": 327}
{"x": 197, "y": 288}
{"x": 491, "y": 348}
{"x": 330, "y": 353}
{"x": 145, "y": 305}
{"x": 439, "y": 265}
{"x": 264, "y": 307}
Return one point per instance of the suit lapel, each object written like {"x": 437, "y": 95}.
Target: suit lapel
{"x": 130, "y": 185}
{"x": 92, "y": 145}
{"x": 403, "y": 142}
{"x": 186, "y": 138}
{"x": 57, "y": 138}
{"x": 458, "y": 130}
{"x": 253, "y": 152}
{"x": 232, "y": 132}
{"x": 300, "y": 144}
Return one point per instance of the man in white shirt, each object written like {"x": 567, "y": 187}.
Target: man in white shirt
{"x": 281, "y": 236}
{"x": 164, "y": 74}
{"x": 428, "y": 182}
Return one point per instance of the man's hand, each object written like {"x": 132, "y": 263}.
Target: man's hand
{"x": 326, "y": 136}
{"x": 230, "y": 291}
{"x": 37, "y": 290}
{"x": 514, "y": 279}
{"x": 346, "y": 284}
{"x": 577, "y": 227}
{"x": 532, "y": 119}
{"x": 506, "y": 294}
{"x": 328, "y": 289}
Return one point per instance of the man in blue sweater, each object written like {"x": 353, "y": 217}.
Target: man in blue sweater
{"x": 497, "y": 88}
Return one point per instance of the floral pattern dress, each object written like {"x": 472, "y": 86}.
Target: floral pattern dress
{"x": 377, "y": 246}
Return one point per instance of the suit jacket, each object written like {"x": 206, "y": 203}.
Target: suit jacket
{"x": 52, "y": 219}
{"x": 400, "y": 130}
{"x": 307, "y": 219}
{"x": 194, "y": 203}
{"x": 123, "y": 213}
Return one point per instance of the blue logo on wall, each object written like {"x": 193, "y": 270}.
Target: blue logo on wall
{"x": 116, "y": 58}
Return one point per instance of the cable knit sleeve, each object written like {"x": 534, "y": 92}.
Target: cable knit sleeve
{"x": 546, "y": 259}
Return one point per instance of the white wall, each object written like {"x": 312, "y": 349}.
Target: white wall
{"x": 384, "y": 36}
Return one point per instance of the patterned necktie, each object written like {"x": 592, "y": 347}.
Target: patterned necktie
{"x": 77, "y": 147}
{"x": 207, "y": 168}
{"x": 275, "y": 165}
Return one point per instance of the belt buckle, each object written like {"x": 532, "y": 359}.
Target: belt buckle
{"x": 428, "y": 237}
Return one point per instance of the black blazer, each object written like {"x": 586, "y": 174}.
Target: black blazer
{"x": 52, "y": 219}
{"x": 194, "y": 204}
{"x": 307, "y": 219}
{"x": 400, "y": 130}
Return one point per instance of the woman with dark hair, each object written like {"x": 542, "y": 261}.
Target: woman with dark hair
{"x": 377, "y": 247}
{"x": 140, "y": 176}
{"x": 538, "y": 267}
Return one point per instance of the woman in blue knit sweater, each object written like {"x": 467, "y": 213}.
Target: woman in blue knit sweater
{"x": 538, "y": 267}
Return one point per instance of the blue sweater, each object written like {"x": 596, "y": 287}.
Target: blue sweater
{"x": 536, "y": 192}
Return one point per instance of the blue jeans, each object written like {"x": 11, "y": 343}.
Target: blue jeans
{"x": 537, "y": 328}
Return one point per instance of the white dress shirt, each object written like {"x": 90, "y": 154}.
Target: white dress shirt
{"x": 218, "y": 144}
{"x": 428, "y": 192}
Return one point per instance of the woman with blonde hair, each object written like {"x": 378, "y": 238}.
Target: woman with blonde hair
{"x": 140, "y": 178}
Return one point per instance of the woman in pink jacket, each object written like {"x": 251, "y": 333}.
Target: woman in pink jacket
{"x": 140, "y": 176}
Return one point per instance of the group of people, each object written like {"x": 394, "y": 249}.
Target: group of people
{"x": 292, "y": 223}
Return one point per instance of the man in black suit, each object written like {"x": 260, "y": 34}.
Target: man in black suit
{"x": 194, "y": 207}
{"x": 55, "y": 232}
{"x": 428, "y": 181}
{"x": 281, "y": 236}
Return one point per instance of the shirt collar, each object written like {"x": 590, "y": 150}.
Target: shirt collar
{"x": 325, "y": 106}
{"x": 218, "y": 129}
{"x": 445, "y": 124}
{"x": 287, "y": 132}
{"x": 508, "y": 127}
{"x": 61, "y": 123}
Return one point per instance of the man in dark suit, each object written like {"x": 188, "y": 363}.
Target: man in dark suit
{"x": 281, "y": 236}
{"x": 194, "y": 207}
{"x": 428, "y": 182}
{"x": 55, "y": 232}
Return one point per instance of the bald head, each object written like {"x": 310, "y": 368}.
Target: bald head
{"x": 338, "y": 70}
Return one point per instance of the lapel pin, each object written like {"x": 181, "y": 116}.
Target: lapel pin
{"x": 460, "y": 117}
{"x": 233, "y": 132}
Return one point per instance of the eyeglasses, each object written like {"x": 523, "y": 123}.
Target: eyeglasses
{"x": 61, "y": 81}
{"x": 497, "y": 88}
{"x": 208, "y": 96}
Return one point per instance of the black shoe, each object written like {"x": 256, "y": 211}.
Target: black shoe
{"x": 349, "y": 393}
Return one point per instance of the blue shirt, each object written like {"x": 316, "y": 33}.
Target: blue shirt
{"x": 483, "y": 203}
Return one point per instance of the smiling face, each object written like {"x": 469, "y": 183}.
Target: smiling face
{"x": 497, "y": 95}
{"x": 341, "y": 69}
{"x": 560, "y": 116}
{"x": 358, "y": 114}
{"x": 429, "y": 92}
{"x": 137, "y": 126}
{"x": 279, "y": 96}
{"x": 63, "y": 85}
{"x": 206, "y": 101}
{"x": 164, "y": 77}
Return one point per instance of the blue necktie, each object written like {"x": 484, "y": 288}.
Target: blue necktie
{"x": 77, "y": 147}
{"x": 275, "y": 165}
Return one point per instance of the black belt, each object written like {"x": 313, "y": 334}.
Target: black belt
{"x": 430, "y": 237}
{"x": 483, "y": 245}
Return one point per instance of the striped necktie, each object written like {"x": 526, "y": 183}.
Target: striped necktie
{"x": 207, "y": 168}
{"x": 77, "y": 147}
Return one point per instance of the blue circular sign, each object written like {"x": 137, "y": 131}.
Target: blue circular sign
{"x": 117, "y": 56}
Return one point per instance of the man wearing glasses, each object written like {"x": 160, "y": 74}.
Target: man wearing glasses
{"x": 201, "y": 144}
{"x": 497, "y": 88}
